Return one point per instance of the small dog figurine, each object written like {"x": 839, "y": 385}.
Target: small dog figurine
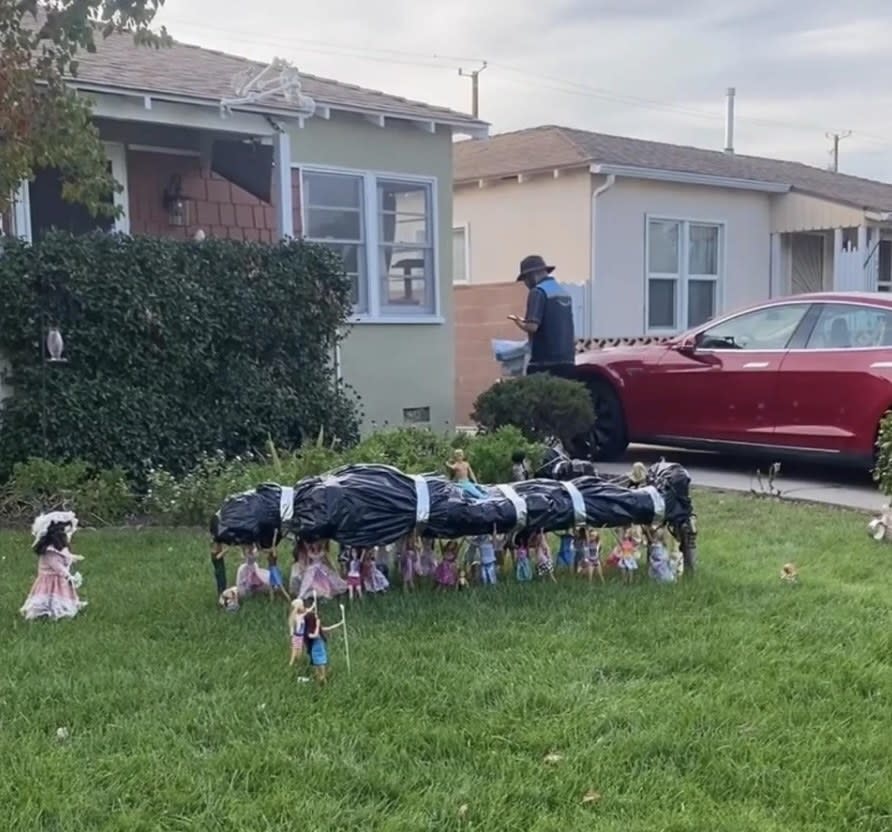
{"x": 229, "y": 599}
{"x": 880, "y": 528}
{"x": 462, "y": 580}
{"x": 789, "y": 574}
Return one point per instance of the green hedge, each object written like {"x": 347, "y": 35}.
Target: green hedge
{"x": 103, "y": 497}
{"x": 174, "y": 349}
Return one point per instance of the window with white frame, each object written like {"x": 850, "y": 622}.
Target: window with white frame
{"x": 683, "y": 273}
{"x": 460, "y": 271}
{"x": 383, "y": 229}
{"x": 334, "y": 208}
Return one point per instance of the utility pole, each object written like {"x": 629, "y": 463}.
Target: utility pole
{"x": 836, "y": 138}
{"x": 474, "y": 75}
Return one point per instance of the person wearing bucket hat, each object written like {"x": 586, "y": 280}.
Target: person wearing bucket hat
{"x": 548, "y": 320}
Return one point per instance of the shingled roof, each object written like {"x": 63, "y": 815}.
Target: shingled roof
{"x": 551, "y": 147}
{"x": 205, "y": 74}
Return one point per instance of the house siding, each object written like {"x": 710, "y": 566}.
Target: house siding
{"x": 509, "y": 219}
{"x": 395, "y": 366}
{"x": 619, "y": 256}
{"x": 215, "y": 205}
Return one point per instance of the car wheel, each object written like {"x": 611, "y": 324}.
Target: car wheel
{"x": 608, "y": 437}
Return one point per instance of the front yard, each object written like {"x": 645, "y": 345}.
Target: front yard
{"x": 733, "y": 702}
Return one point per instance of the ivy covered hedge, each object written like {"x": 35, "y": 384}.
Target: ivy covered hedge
{"x": 175, "y": 350}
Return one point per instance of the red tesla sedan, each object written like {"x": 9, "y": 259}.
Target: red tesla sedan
{"x": 804, "y": 376}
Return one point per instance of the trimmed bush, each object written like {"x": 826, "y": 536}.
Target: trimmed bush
{"x": 882, "y": 472}
{"x": 540, "y": 406}
{"x": 175, "y": 350}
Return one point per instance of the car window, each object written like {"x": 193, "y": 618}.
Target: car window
{"x": 847, "y": 326}
{"x": 763, "y": 329}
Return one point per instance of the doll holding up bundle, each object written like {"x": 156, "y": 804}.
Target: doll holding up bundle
{"x": 54, "y": 592}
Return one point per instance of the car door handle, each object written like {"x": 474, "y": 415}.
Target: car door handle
{"x": 755, "y": 365}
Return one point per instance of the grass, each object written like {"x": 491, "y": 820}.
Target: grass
{"x": 730, "y": 703}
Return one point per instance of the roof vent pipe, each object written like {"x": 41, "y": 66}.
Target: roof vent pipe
{"x": 729, "y": 121}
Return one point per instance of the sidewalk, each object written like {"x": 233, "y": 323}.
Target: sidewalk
{"x": 819, "y": 485}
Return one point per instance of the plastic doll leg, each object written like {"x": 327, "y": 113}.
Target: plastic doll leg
{"x": 219, "y": 564}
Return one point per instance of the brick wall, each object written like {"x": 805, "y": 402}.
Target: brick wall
{"x": 480, "y": 315}
{"x": 218, "y": 207}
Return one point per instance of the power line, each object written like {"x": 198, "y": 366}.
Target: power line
{"x": 530, "y": 78}
{"x": 834, "y": 152}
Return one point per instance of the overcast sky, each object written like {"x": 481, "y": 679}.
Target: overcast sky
{"x": 801, "y": 68}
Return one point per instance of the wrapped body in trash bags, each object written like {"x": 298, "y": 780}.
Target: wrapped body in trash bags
{"x": 258, "y": 517}
{"x": 557, "y": 465}
{"x": 374, "y": 505}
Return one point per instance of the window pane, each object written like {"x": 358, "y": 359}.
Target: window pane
{"x": 764, "y": 329}
{"x": 404, "y": 213}
{"x": 663, "y": 243}
{"x": 333, "y": 190}
{"x": 701, "y": 301}
{"x": 844, "y": 326}
{"x": 353, "y": 259}
{"x": 406, "y": 279}
{"x": 661, "y": 304}
{"x": 459, "y": 256}
{"x": 703, "y": 255}
{"x": 333, "y": 224}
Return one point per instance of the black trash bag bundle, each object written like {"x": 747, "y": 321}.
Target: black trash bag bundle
{"x": 357, "y": 505}
{"x": 368, "y": 505}
{"x": 253, "y": 517}
{"x": 556, "y": 465}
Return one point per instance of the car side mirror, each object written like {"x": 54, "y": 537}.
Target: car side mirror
{"x": 687, "y": 346}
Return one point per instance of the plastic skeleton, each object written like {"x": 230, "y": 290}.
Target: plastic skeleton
{"x": 278, "y": 78}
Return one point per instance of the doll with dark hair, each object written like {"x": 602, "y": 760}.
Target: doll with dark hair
{"x": 54, "y": 591}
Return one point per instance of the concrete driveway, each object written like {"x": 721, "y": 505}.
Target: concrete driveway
{"x": 820, "y": 484}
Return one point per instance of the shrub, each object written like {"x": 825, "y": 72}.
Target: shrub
{"x": 490, "y": 453}
{"x": 39, "y": 485}
{"x": 413, "y": 450}
{"x": 540, "y": 406}
{"x": 882, "y": 472}
{"x": 175, "y": 349}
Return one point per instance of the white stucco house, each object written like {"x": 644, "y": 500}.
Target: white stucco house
{"x": 661, "y": 236}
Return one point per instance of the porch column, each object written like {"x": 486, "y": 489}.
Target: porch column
{"x": 838, "y": 277}
{"x": 863, "y": 252}
{"x": 775, "y": 279}
{"x": 282, "y": 202}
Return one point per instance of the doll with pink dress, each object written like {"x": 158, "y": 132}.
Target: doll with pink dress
{"x": 627, "y": 555}
{"x": 408, "y": 555}
{"x": 446, "y": 574}
{"x": 251, "y": 578}
{"x": 54, "y": 592}
{"x": 320, "y": 579}
{"x": 354, "y": 574}
{"x": 373, "y": 579}
{"x": 427, "y": 558}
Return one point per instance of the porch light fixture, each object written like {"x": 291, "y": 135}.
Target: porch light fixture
{"x": 176, "y": 205}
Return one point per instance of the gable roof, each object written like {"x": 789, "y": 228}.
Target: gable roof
{"x": 206, "y": 75}
{"x": 551, "y": 147}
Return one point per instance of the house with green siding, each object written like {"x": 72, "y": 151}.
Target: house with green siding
{"x": 206, "y": 144}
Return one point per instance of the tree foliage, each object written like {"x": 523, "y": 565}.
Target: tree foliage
{"x": 43, "y": 123}
{"x": 174, "y": 349}
{"x": 540, "y": 406}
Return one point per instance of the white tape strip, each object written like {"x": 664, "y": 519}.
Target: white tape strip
{"x": 659, "y": 503}
{"x": 422, "y": 501}
{"x": 286, "y": 503}
{"x": 520, "y": 505}
{"x": 578, "y": 503}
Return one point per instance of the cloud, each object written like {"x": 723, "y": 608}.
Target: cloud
{"x": 800, "y": 68}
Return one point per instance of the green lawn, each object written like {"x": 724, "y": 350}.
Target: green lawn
{"x": 730, "y": 703}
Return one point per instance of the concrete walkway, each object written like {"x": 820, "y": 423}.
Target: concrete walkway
{"x": 832, "y": 486}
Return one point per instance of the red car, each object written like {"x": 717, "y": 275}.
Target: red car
{"x": 805, "y": 376}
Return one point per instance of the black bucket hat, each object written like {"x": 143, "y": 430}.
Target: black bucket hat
{"x": 533, "y": 263}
